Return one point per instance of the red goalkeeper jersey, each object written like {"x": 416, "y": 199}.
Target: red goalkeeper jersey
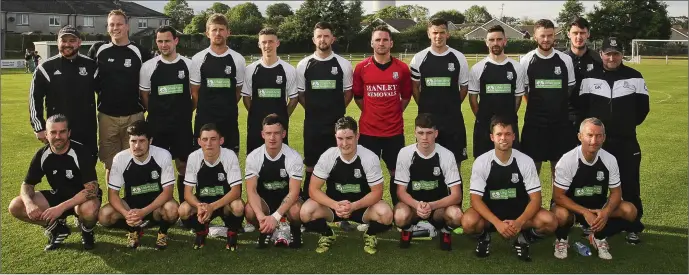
{"x": 382, "y": 92}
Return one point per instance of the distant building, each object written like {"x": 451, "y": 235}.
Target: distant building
{"x": 379, "y": 5}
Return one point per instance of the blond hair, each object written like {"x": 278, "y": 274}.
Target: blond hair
{"x": 218, "y": 19}
{"x": 120, "y": 13}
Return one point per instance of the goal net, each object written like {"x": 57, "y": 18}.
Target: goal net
{"x": 661, "y": 50}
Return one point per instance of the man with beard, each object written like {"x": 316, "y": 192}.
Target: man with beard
{"x": 382, "y": 90}
{"x": 618, "y": 95}
{"x": 165, "y": 82}
{"x": 119, "y": 105}
{"x": 324, "y": 82}
{"x": 71, "y": 173}
{"x": 67, "y": 84}
{"x": 583, "y": 59}
{"x": 269, "y": 83}
{"x": 440, "y": 77}
{"x": 220, "y": 72}
{"x": 547, "y": 132}
{"x": 498, "y": 81}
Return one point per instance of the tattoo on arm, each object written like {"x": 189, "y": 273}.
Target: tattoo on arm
{"x": 91, "y": 190}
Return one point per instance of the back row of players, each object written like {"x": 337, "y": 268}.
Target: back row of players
{"x": 213, "y": 80}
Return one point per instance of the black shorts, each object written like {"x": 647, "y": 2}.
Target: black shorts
{"x": 548, "y": 143}
{"x": 255, "y": 140}
{"x": 317, "y": 139}
{"x": 228, "y": 128}
{"x": 482, "y": 142}
{"x": 386, "y": 148}
{"x": 356, "y": 216}
{"x": 455, "y": 141}
{"x": 55, "y": 198}
{"x": 179, "y": 143}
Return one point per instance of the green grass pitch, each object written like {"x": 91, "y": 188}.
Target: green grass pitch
{"x": 663, "y": 138}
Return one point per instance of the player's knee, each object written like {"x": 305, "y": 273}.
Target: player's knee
{"x": 293, "y": 213}
{"x": 453, "y": 216}
{"x": 17, "y": 208}
{"x": 307, "y": 210}
{"x": 470, "y": 221}
{"x": 628, "y": 210}
{"x": 562, "y": 215}
{"x": 547, "y": 221}
{"x": 237, "y": 207}
{"x": 184, "y": 211}
{"x": 402, "y": 216}
{"x": 89, "y": 210}
{"x": 171, "y": 210}
{"x": 384, "y": 212}
{"x": 105, "y": 215}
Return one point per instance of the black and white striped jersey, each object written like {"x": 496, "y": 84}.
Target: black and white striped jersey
{"x": 167, "y": 82}
{"x": 219, "y": 75}
{"x": 142, "y": 180}
{"x": 323, "y": 80}
{"x": 349, "y": 180}
{"x": 587, "y": 183}
{"x": 548, "y": 79}
{"x": 212, "y": 180}
{"x": 497, "y": 85}
{"x": 273, "y": 174}
{"x": 427, "y": 178}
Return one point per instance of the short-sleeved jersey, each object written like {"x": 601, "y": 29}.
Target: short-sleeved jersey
{"x": 587, "y": 183}
{"x": 273, "y": 174}
{"x": 424, "y": 175}
{"x": 212, "y": 180}
{"x": 440, "y": 76}
{"x": 581, "y": 64}
{"x": 118, "y": 75}
{"x": 219, "y": 75}
{"x": 143, "y": 180}
{"x": 66, "y": 173}
{"x": 269, "y": 87}
{"x": 169, "y": 101}
{"x": 348, "y": 180}
{"x": 548, "y": 79}
{"x": 323, "y": 80}
{"x": 497, "y": 85}
{"x": 381, "y": 91}
{"x": 505, "y": 187}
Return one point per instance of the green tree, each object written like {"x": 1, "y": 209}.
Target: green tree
{"x": 355, "y": 12}
{"x": 179, "y": 12}
{"x": 509, "y": 20}
{"x": 336, "y": 14}
{"x": 680, "y": 21}
{"x": 218, "y": 7}
{"x": 629, "y": 19}
{"x": 392, "y": 12}
{"x": 418, "y": 13}
{"x": 477, "y": 14}
{"x": 277, "y": 13}
{"x": 245, "y": 19}
{"x": 197, "y": 24}
{"x": 299, "y": 26}
{"x": 570, "y": 10}
{"x": 525, "y": 20}
{"x": 453, "y": 16}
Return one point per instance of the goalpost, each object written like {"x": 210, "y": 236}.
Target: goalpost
{"x": 664, "y": 51}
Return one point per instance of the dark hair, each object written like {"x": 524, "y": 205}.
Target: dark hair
{"x": 437, "y": 22}
{"x": 273, "y": 119}
{"x": 496, "y": 28}
{"x": 210, "y": 127}
{"x": 139, "y": 128}
{"x": 164, "y": 29}
{"x": 323, "y": 26}
{"x": 382, "y": 28}
{"x": 580, "y": 22}
{"x": 544, "y": 23}
{"x": 345, "y": 123}
{"x": 57, "y": 118}
{"x": 502, "y": 121}
{"x": 268, "y": 31}
{"x": 425, "y": 120}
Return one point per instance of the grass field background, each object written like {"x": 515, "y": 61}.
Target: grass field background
{"x": 663, "y": 138}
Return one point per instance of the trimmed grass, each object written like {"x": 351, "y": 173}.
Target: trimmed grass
{"x": 664, "y": 185}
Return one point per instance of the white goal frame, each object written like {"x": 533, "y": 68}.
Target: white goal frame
{"x": 636, "y": 58}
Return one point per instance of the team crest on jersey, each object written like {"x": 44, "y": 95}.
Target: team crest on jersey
{"x": 127, "y": 62}
{"x": 278, "y": 80}
{"x": 82, "y": 71}
{"x": 228, "y": 69}
{"x": 395, "y": 75}
{"x": 510, "y": 76}
{"x": 357, "y": 173}
{"x": 557, "y": 70}
{"x": 154, "y": 175}
{"x": 451, "y": 67}
{"x": 283, "y": 173}
{"x": 613, "y": 42}
{"x": 180, "y": 74}
{"x": 53, "y": 191}
{"x": 69, "y": 174}
{"x": 600, "y": 176}
{"x": 334, "y": 71}
{"x": 54, "y": 172}
{"x": 515, "y": 177}
{"x": 436, "y": 171}
{"x": 221, "y": 177}
{"x": 589, "y": 67}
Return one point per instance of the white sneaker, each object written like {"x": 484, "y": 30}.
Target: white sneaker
{"x": 603, "y": 249}
{"x": 248, "y": 227}
{"x": 362, "y": 227}
{"x": 561, "y": 246}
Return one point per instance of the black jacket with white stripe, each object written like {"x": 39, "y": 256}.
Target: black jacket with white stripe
{"x": 68, "y": 87}
{"x": 619, "y": 98}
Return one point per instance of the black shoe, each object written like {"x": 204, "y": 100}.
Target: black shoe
{"x": 263, "y": 241}
{"x": 57, "y": 234}
{"x": 483, "y": 248}
{"x": 405, "y": 239}
{"x": 296, "y": 239}
{"x": 446, "y": 242}
{"x": 633, "y": 238}
{"x": 522, "y": 250}
{"x": 88, "y": 239}
{"x": 200, "y": 240}
{"x": 231, "y": 241}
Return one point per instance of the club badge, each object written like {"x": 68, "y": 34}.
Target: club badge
{"x": 278, "y": 80}
{"x": 510, "y": 76}
{"x": 69, "y": 174}
{"x": 127, "y": 62}
{"x": 221, "y": 177}
{"x": 82, "y": 71}
{"x": 283, "y": 173}
{"x": 589, "y": 67}
{"x": 228, "y": 70}
{"x": 154, "y": 175}
{"x": 334, "y": 71}
{"x": 395, "y": 75}
{"x": 515, "y": 177}
{"x": 557, "y": 70}
{"x": 180, "y": 74}
{"x": 451, "y": 67}
{"x": 436, "y": 171}
{"x": 357, "y": 173}
{"x": 600, "y": 176}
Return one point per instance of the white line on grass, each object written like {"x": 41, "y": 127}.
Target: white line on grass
{"x": 666, "y": 99}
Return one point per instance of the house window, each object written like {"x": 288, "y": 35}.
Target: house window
{"x": 88, "y": 21}
{"x": 54, "y": 21}
{"x": 22, "y": 19}
{"x": 143, "y": 23}
{"x": 167, "y": 22}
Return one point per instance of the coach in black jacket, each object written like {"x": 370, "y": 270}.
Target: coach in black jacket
{"x": 617, "y": 95}
{"x": 67, "y": 83}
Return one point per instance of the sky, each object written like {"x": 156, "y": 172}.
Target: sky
{"x": 518, "y": 9}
